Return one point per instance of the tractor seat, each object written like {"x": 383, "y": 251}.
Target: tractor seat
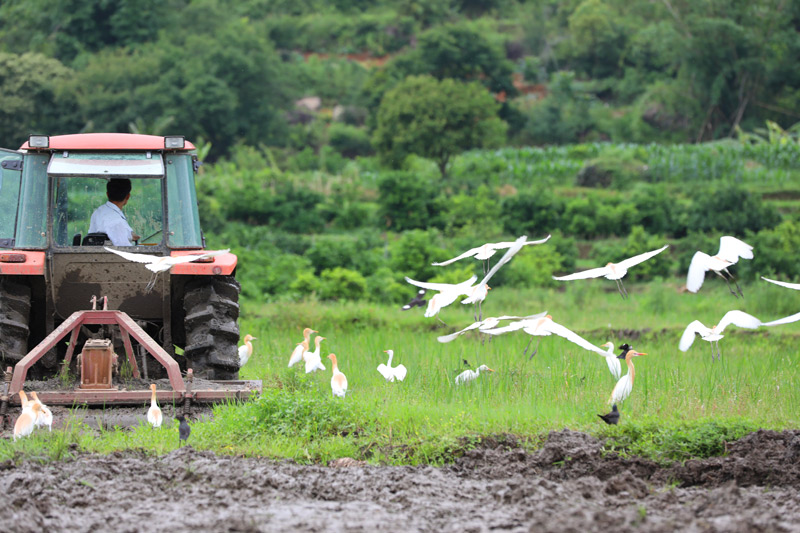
{"x": 96, "y": 239}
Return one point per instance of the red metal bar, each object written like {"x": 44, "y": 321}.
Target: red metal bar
{"x": 126, "y": 340}
{"x": 71, "y": 350}
{"x": 173, "y": 370}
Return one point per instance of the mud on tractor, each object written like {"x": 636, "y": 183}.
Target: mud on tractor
{"x": 50, "y": 268}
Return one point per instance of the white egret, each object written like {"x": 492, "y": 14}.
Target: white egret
{"x": 614, "y": 271}
{"x": 26, "y": 421}
{"x": 154, "y": 415}
{"x": 542, "y": 327}
{"x": 612, "y": 360}
{"x": 624, "y": 386}
{"x": 795, "y": 286}
{"x": 301, "y": 348}
{"x": 730, "y": 250}
{"x": 338, "y": 380}
{"x": 158, "y": 264}
{"x": 714, "y": 334}
{"x": 447, "y": 293}
{"x": 246, "y": 350}
{"x": 312, "y": 359}
{"x": 45, "y": 417}
{"x": 477, "y": 293}
{"x": 391, "y": 374}
{"x": 485, "y": 251}
{"x": 468, "y": 375}
{"x": 487, "y": 323}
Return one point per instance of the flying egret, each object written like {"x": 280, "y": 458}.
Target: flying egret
{"x": 795, "y": 286}
{"x": 416, "y": 301}
{"x": 624, "y": 386}
{"x": 468, "y": 375}
{"x": 612, "y": 360}
{"x": 614, "y": 271}
{"x": 391, "y": 374}
{"x": 487, "y": 323}
{"x": 45, "y": 416}
{"x": 714, "y": 334}
{"x": 485, "y": 251}
{"x": 542, "y": 327}
{"x": 612, "y": 417}
{"x": 154, "y": 415}
{"x": 301, "y": 348}
{"x": 246, "y": 350}
{"x": 312, "y": 359}
{"x": 338, "y": 379}
{"x": 447, "y": 294}
{"x": 26, "y": 421}
{"x": 158, "y": 264}
{"x": 477, "y": 293}
{"x": 730, "y": 250}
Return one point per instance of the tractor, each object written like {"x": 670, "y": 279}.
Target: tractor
{"x": 51, "y": 267}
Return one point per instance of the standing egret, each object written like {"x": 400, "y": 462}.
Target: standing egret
{"x": 391, "y": 374}
{"x": 312, "y": 359}
{"x": 26, "y": 421}
{"x": 612, "y": 417}
{"x": 301, "y": 348}
{"x": 612, "y": 360}
{"x": 714, "y": 334}
{"x": 614, "y": 271}
{"x": 485, "y": 251}
{"x": 543, "y": 327}
{"x": 795, "y": 286}
{"x": 468, "y": 375}
{"x": 246, "y": 350}
{"x": 477, "y": 293}
{"x": 154, "y": 415}
{"x": 624, "y": 386}
{"x": 447, "y": 294}
{"x": 338, "y": 379}
{"x": 730, "y": 250}
{"x": 158, "y": 264}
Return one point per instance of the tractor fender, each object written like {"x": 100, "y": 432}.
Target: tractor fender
{"x": 22, "y": 263}
{"x": 221, "y": 265}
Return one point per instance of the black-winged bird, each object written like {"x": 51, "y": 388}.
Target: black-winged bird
{"x": 416, "y": 301}
{"x": 612, "y": 417}
{"x": 183, "y": 429}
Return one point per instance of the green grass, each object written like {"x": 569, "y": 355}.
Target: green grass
{"x": 682, "y": 405}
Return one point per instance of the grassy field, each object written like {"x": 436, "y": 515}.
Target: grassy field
{"x": 679, "y": 398}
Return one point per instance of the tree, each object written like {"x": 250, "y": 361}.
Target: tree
{"x": 436, "y": 119}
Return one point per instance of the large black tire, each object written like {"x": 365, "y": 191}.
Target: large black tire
{"x": 15, "y": 314}
{"x": 212, "y": 327}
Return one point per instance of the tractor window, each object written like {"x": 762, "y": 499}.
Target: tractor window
{"x": 76, "y": 198}
{"x": 184, "y": 220}
{"x": 32, "y": 217}
{"x": 9, "y": 198}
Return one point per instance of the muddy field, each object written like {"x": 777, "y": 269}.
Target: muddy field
{"x": 566, "y": 486}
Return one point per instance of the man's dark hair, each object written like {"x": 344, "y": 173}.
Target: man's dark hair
{"x": 117, "y": 189}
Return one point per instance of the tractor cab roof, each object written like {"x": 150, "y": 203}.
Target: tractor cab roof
{"x": 107, "y": 141}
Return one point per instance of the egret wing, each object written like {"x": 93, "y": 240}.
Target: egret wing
{"x": 514, "y": 326}
{"x": 468, "y": 253}
{"x": 636, "y": 259}
{"x": 687, "y": 338}
{"x": 516, "y": 246}
{"x": 614, "y": 365}
{"x": 795, "y": 286}
{"x": 697, "y": 271}
{"x": 785, "y": 320}
{"x": 385, "y": 372}
{"x": 439, "y": 286}
{"x": 731, "y": 249}
{"x": 400, "y": 372}
{"x": 738, "y": 318}
{"x": 297, "y": 354}
{"x": 194, "y": 257}
{"x": 136, "y": 258}
{"x": 591, "y": 273}
{"x": 571, "y": 336}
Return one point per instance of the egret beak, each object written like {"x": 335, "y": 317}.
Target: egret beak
{"x": 639, "y": 353}
{"x": 488, "y": 288}
{"x": 490, "y": 370}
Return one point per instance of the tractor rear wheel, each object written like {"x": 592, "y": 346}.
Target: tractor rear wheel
{"x": 212, "y": 329}
{"x": 15, "y": 314}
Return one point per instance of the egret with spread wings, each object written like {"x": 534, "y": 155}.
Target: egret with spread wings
{"x": 730, "y": 250}
{"x": 714, "y": 334}
{"x": 485, "y": 251}
{"x": 158, "y": 264}
{"x": 543, "y": 327}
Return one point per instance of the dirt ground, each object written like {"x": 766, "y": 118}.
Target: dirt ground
{"x": 568, "y": 485}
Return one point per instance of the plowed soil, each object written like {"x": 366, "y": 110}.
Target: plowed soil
{"x": 568, "y": 485}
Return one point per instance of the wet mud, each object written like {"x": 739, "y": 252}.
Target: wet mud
{"x": 567, "y": 485}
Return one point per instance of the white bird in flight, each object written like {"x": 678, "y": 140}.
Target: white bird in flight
{"x": 468, "y": 375}
{"x": 624, "y": 386}
{"x": 795, "y": 286}
{"x": 614, "y": 271}
{"x": 487, "y": 323}
{"x": 158, "y": 264}
{"x": 477, "y": 293}
{"x": 543, "y": 327}
{"x": 485, "y": 251}
{"x": 730, "y": 250}
{"x": 391, "y": 374}
{"x": 714, "y": 334}
{"x": 612, "y": 360}
{"x": 447, "y": 293}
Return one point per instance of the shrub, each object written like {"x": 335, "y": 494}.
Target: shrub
{"x": 407, "y": 201}
{"x": 731, "y": 210}
{"x": 531, "y": 212}
{"x": 534, "y": 266}
{"x": 383, "y": 287}
{"x": 347, "y": 251}
{"x": 342, "y": 284}
{"x": 413, "y": 253}
{"x": 349, "y": 141}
